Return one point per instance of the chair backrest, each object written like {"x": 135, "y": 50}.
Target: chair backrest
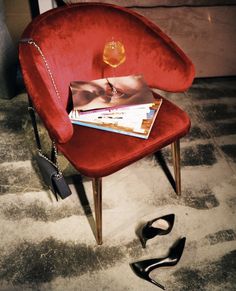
{"x": 72, "y": 39}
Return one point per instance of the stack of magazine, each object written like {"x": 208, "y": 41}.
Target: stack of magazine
{"x": 124, "y": 105}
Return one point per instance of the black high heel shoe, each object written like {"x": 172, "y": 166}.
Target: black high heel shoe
{"x": 143, "y": 268}
{"x": 148, "y": 231}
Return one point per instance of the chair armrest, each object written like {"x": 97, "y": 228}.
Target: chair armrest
{"x": 55, "y": 119}
{"x": 49, "y": 107}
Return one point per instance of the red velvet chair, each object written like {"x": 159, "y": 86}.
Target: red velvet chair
{"x": 71, "y": 38}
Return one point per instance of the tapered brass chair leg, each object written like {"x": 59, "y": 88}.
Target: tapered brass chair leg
{"x": 175, "y": 146}
{"x": 97, "y": 196}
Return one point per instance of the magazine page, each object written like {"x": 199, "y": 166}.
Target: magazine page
{"x": 136, "y": 120}
{"x": 98, "y": 94}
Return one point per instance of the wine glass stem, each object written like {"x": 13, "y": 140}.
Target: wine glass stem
{"x": 113, "y": 88}
{"x": 114, "y": 91}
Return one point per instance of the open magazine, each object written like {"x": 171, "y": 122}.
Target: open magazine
{"x": 97, "y": 94}
{"x": 132, "y": 111}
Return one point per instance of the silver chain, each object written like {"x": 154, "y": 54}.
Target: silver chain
{"x": 59, "y": 172}
{"x": 46, "y": 65}
{"x": 32, "y": 42}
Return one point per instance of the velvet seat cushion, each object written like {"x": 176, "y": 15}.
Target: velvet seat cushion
{"x": 97, "y": 153}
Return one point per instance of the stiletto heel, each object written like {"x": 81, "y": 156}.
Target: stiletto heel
{"x": 143, "y": 268}
{"x": 148, "y": 231}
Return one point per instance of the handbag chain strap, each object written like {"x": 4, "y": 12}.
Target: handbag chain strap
{"x": 31, "y": 108}
{"x": 32, "y": 42}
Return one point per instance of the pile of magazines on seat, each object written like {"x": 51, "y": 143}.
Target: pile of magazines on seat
{"x": 124, "y": 105}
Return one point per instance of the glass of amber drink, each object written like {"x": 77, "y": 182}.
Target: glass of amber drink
{"x": 114, "y": 55}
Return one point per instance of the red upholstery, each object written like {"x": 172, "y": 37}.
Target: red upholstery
{"x": 72, "y": 39}
{"x": 97, "y": 153}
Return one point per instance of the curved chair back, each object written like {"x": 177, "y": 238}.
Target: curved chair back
{"x": 72, "y": 40}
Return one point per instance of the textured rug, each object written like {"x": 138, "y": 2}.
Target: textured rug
{"x": 50, "y": 245}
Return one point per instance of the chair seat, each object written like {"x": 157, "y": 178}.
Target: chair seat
{"x": 111, "y": 152}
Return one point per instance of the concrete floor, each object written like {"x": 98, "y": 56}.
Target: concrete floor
{"x": 49, "y": 245}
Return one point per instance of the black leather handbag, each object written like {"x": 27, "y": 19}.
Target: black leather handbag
{"x": 49, "y": 169}
{"x": 52, "y": 177}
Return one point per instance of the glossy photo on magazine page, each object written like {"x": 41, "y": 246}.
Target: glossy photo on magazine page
{"x": 110, "y": 92}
